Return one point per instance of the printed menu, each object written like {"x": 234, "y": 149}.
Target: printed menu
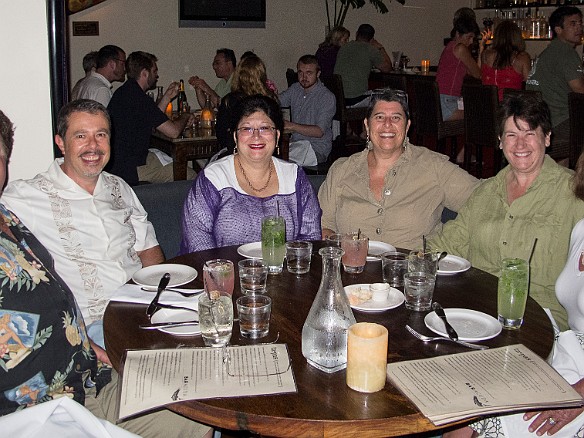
{"x": 153, "y": 378}
{"x": 458, "y": 386}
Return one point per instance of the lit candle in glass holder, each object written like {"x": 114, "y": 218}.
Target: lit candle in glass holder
{"x": 425, "y": 65}
{"x": 366, "y": 357}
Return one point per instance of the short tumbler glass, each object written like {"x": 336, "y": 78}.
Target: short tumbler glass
{"x": 356, "y": 246}
{"x": 298, "y": 255}
{"x": 254, "y": 315}
{"x": 253, "y": 274}
{"x": 419, "y": 289}
{"x": 394, "y": 265}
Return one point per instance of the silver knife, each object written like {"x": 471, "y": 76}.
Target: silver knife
{"x": 161, "y": 286}
{"x": 168, "y": 324}
{"x": 449, "y": 329}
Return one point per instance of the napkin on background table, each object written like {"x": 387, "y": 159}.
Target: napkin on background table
{"x": 132, "y": 293}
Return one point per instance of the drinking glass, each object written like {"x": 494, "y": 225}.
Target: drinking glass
{"x": 254, "y": 315}
{"x": 419, "y": 289}
{"x": 512, "y": 292}
{"x": 218, "y": 276}
{"x": 334, "y": 239}
{"x": 356, "y": 246}
{"x": 394, "y": 265}
{"x": 423, "y": 261}
{"x": 215, "y": 319}
{"x": 253, "y": 274}
{"x": 274, "y": 243}
{"x": 298, "y": 255}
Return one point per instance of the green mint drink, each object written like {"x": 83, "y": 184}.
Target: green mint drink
{"x": 274, "y": 243}
{"x": 512, "y": 292}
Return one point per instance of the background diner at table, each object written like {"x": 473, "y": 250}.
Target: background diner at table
{"x": 531, "y": 198}
{"x": 393, "y": 191}
{"x": 230, "y": 197}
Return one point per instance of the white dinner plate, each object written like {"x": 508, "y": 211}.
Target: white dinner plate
{"x": 177, "y": 315}
{"x": 377, "y": 248}
{"x": 452, "y": 264}
{"x": 251, "y": 250}
{"x": 150, "y": 276}
{"x": 395, "y": 298}
{"x": 470, "y": 325}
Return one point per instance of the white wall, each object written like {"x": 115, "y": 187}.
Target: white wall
{"x": 293, "y": 28}
{"x": 24, "y": 84}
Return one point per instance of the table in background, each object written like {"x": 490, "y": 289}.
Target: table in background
{"x": 324, "y": 405}
{"x": 185, "y": 149}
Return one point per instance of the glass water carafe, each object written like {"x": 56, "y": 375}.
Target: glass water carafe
{"x": 324, "y": 334}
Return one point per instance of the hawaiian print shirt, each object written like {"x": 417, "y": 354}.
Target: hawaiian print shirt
{"x": 44, "y": 348}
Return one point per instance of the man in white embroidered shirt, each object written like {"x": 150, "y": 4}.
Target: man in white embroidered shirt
{"x": 91, "y": 221}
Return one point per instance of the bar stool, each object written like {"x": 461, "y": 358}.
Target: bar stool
{"x": 428, "y": 117}
{"x": 480, "y": 125}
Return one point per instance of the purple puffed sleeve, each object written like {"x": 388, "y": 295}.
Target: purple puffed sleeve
{"x": 309, "y": 212}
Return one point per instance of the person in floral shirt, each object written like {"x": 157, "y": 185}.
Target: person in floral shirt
{"x": 45, "y": 352}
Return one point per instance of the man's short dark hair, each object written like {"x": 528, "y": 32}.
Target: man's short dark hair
{"x": 529, "y": 107}
{"x": 365, "y": 32}
{"x": 106, "y": 54}
{"x": 309, "y": 59}
{"x": 6, "y": 135}
{"x": 558, "y": 16}
{"x": 79, "y": 106}
{"x": 89, "y": 61}
{"x": 138, "y": 61}
{"x": 229, "y": 55}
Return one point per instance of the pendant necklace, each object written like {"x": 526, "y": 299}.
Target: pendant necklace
{"x": 249, "y": 182}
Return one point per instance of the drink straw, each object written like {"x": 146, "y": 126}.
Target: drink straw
{"x": 359, "y": 234}
{"x": 423, "y": 244}
{"x": 532, "y": 251}
{"x": 278, "y": 207}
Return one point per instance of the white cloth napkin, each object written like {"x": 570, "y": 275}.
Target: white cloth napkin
{"x": 132, "y": 293}
{"x": 63, "y": 418}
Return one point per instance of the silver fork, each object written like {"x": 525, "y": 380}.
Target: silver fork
{"x": 424, "y": 338}
{"x": 169, "y": 289}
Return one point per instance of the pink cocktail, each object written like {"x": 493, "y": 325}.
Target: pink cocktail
{"x": 356, "y": 246}
{"x": 218, "y": 275}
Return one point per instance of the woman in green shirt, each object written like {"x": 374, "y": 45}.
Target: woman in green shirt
{"x": 530, "y": 199}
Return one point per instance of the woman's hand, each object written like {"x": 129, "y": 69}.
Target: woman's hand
{"x": 554, "y": 420}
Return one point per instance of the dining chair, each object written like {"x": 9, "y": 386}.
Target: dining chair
{"x": 576, "y": 109}
{"x": 343, "y": 115}
{"x": 291, "y": 77}
{"x": 428, "y": 121}
{"x": 480, "y": 125}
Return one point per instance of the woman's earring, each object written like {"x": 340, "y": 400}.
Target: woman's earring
{"x": 368, "y": 143}
{"x": 405, "y": 143}
{"x": 235, "y": 149}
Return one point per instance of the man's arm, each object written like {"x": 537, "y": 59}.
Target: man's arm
{"x": 202, "y": 89}
{"x": 151, "y": 256}
{"x": 385, "y": 66}
{"x": 577, "y": 85}
{"x": 173, "y": 128}
{"x": 306, "y": 130}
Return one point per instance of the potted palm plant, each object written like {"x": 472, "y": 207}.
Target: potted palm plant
{"x": 337, "y": 9}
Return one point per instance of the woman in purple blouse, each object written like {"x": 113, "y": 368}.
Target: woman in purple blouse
{"x": 229, "y": 198}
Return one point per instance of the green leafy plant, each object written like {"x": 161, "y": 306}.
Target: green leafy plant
{"x": 337, "y": 9}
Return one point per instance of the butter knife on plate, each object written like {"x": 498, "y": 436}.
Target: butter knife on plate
{"x": 164, "y": 280}
{"x": 157, "y": 325}
{"x": 442, "y": 315}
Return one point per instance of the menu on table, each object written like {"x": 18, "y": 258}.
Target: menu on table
{"x": 153, "y": 378}
{"x": 507, "y": 379}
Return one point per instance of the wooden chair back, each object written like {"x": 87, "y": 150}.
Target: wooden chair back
{"x": 480, "y": 124}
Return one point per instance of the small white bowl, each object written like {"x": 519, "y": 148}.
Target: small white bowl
{"x": 380, "y": 291}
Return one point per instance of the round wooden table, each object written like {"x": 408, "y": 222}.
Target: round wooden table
{"x": 324, "y": 405}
